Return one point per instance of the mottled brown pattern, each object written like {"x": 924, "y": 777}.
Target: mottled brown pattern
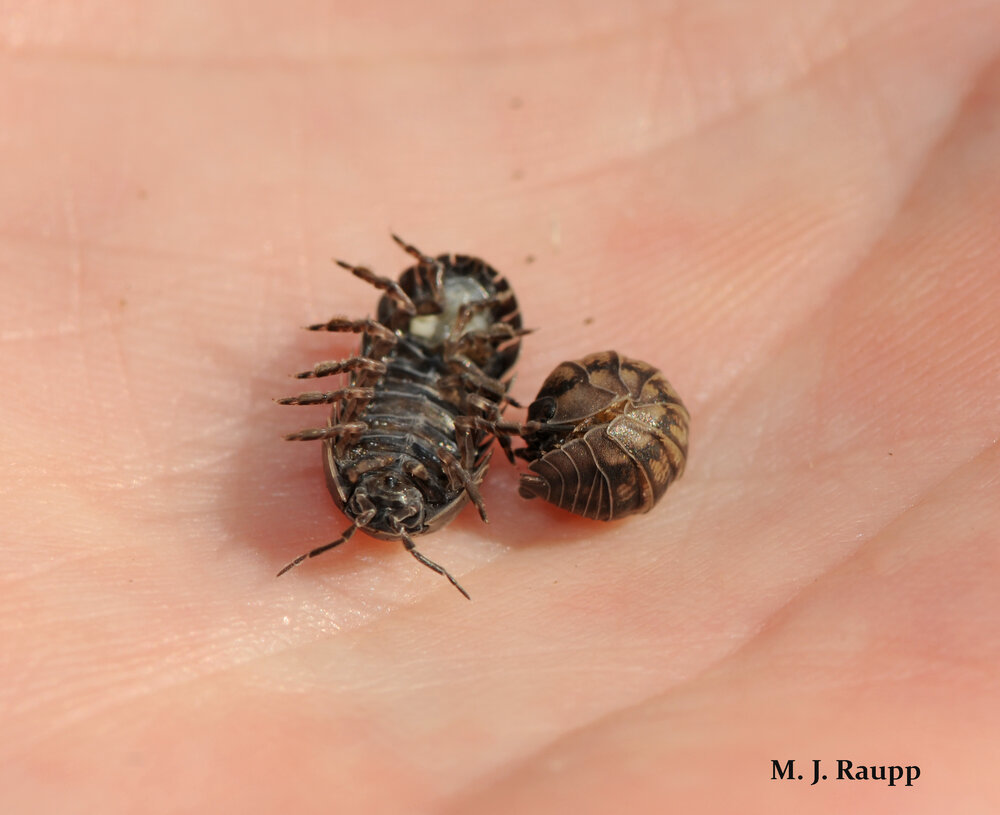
{"x": 605, "y": 437}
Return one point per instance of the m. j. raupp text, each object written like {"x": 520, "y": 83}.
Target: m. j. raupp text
{"x": 891, "y": 774}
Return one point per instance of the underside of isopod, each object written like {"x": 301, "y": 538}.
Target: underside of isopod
{"x": 408, "y": 441}
{"x": 604, "y": 438}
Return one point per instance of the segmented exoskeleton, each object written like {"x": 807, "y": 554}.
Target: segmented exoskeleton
{"x": 605, "y": 437}
{"x": 407, "y": 443}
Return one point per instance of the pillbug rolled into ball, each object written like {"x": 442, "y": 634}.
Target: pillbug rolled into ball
{"x": 408, "y": 440}
{"x": 605, "y": 437}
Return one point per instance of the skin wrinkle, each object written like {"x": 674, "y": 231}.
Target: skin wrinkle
{"x": 703, "y": 125}
{"x": 175, "y": 256}
{"x": 826, "y": 60}
{"x": 115, "y": 328}
{"x": 822, "y": 62}
{"x": 813, "y": 584}
{"x": 303, "y": 244}
{"x": 160, "y": 679}
{"x": 167, "y": 682}
{"x": 610, "y": 167}
{"x": 287, "y": 63}
{"x": 75, "y": 255}
{"x": 31, "y": 335}
{"x": 766, "y": 624}
{"x": 810, "y": 587}
{"x": 915, "y": 183}
{"x": 869, "y": 251}
{"x": 866, "y": 250}
{"x": 206, "y": 564}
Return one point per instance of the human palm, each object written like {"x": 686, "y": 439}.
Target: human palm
{"x": 791, "y": 210}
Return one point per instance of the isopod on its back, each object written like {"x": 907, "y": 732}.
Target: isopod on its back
{"x": 408, "y": 441}
{"x": 605, "y": 437}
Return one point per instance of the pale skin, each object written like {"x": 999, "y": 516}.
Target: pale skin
{"x": 790, "y": 208}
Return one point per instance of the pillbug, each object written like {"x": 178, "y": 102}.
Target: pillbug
{"x": 407, "y": 443}
{"x": 605, "y": 437}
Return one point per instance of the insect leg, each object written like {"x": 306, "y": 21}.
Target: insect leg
{"x": 464, "y": 425}
{"x": 362, "y": 365}
{"x": 338, "y": 431}
{"x": 470, "y": 377}
{"x": 353, "y": 471}
{"x": 496, "y": 335}
{"x": 465, "y": 438}
{"x": 430, "y": 564}
{"x": 432, "y": 268}
{"x": 410, "y": 249}
{"x": 414, "y": 468}
{"x": 321, "y": 549}
{"x": 386, "y": 284}
{"x": 328, "y": 398}
{"x": 461, "y": 477}
{"x": 470, "y": 374}
{"x": 492, "y": 420}
{"x": 384, "y": 337}
{"x": 467, "y": 310}
{"x": 533, "y": 486}
{"x": 475, "y": 379}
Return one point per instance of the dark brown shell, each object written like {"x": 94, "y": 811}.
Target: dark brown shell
{"x": 408, "y": 441}
{"x": 412, "y": 413}
{"x": 605, "y": 437}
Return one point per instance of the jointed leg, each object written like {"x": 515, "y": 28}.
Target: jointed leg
{"x": 321, "y": 549}
{"x": 467, "y": 310}
{"x": 410, "y": 249}
{"x": 362, "y": 365}
{"x": 344, "y": 432}
{"x": 465, "y": 425}
{"x": 430, "y": 564}
{"x": 383, "y": 338}
{"x": 471, "y": 378}
{"x": 328, "y": 398}
{"x": 353, "y": 472}
{"x": 414, "y": 468}
{"x": 389, "y": 286}
{"x": 460, "y": 477}
{"x": 495, "y": 335}
{"x": 431, "y": 267}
